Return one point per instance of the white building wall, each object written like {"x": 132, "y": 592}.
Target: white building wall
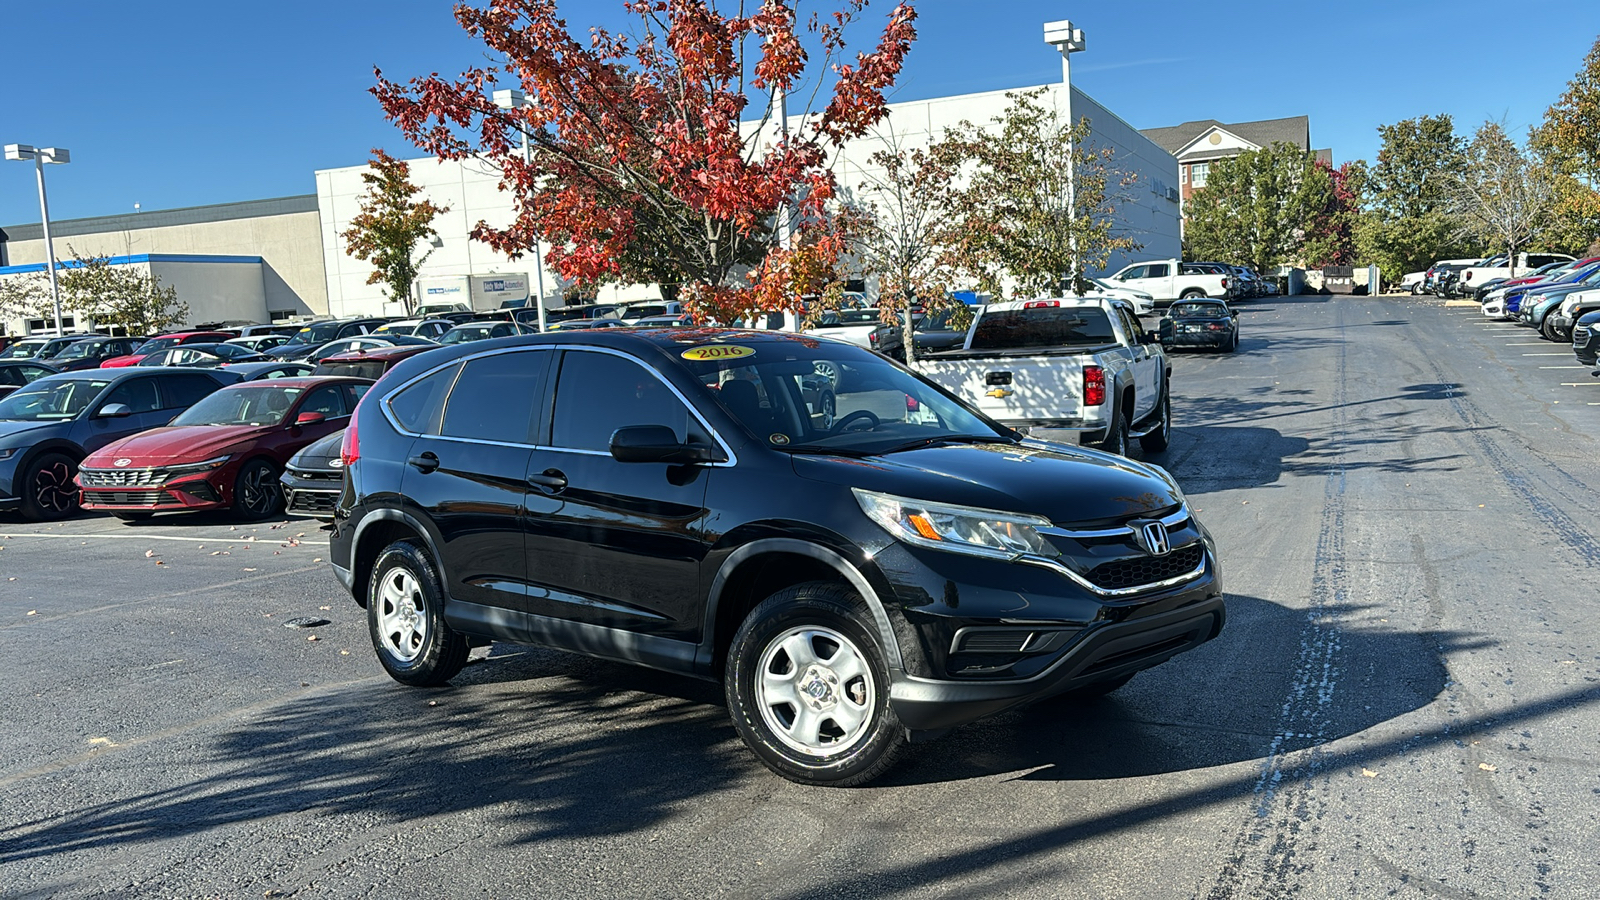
{"x": 470, "y": 191}
{"x": 217, "y": 291}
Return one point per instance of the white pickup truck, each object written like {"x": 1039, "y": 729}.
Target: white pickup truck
{"x": 1526, "y": 262}
{"x": 854, "y": 326}
{"x": 1082, "y": 365}
{"x": 1169, "y": 279}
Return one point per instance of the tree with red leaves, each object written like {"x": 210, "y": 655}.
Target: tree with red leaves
{"x": 639, "y": 170}
{"x": 1331, "y": 232}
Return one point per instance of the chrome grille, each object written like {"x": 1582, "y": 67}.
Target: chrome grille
{"x": 312, "y": 503}
{"x": 121, "y": 477}
{"x": 317, "y": 474}
{"x": 1143, "y": 570}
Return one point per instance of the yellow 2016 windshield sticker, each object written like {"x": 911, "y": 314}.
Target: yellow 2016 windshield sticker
{"x": 706, "y": 352}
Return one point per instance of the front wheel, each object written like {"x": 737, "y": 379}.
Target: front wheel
{"x": 807, "y": 683}
{"x": 405, "y": 616}
{"x": 256, "y": 493}
{"x": 1548, "y": 329}
{"x": 1157, "y": 441}
{"x": 47, "y": 488}
{"x": 1192, "y": 294}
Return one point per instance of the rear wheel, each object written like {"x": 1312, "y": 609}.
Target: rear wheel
{"x": 1116, "y": 440}
{"x": 808, "y": 687}
{"x": 405, "y": 617}
{"x": 1157, "y": 441}
{"x": 48, "y": 489}
{"x": 1192, "y": 294}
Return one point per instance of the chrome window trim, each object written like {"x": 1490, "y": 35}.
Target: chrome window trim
{"x": 733, "y": 458}
{"x": 1176, "y": 518}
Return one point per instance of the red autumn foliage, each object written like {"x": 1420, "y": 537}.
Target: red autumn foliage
{"x": 639, "y": 170}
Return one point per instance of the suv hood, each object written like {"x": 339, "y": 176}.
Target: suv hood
{"x": 182, "y": 444}
{"x": 1066, "y": 484}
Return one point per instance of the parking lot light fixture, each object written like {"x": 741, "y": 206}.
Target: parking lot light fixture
{"x": 40, "y": 156}
{"x": 511, "y": 98}
{"x": 1068, "y": 40}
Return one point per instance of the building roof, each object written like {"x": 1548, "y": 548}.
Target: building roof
{"x": 1294, "y": 130}
{"x": 159, "y": 218}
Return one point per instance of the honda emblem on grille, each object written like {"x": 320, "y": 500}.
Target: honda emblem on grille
{"x": 1152, "y": 538}
{"x": 119, "y": 463}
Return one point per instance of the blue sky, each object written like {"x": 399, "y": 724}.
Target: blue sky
{"x": 180, "y": 103}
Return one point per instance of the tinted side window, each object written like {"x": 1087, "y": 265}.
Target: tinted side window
{"x": 1160, "y": 271}
{"x": 183, "y": 391}
{"x": 1136, "y": 272}
{"x": 417, "y": 407}
{"x": 599, "y": 393}
{"x": 495, "y": 397}
{"x": 328, "y": 400}
{"x": 139, "y": 394}
{"x": 11, "y": 375}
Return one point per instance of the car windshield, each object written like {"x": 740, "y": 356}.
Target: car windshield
{"x": 1213, "y": 310}
{"x": 155, "y": 344}
{"x": 82, "y": 349}
{"x": 63, "y": 399}
{"x": 315, "y": 334}
{"x": 252, "y": 405}
{"x": 804, "y": 396}
{"x": 461, "y": 335}
{"x": 1043, "y": 326}
{"x": 398, "y": 328}
{"x": 22, "y": 350}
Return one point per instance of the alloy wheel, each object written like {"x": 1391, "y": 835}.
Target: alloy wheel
{"x": 53, "y": 490}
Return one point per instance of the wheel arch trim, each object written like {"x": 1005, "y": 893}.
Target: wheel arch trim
{"x": 385, "y": 515}
{"x": 833, "y": 559}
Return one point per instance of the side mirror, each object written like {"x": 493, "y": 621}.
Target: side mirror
{"x": 656, "y": 444}
{"x": 309, "y": 418}
{"x": 114, "y": 411}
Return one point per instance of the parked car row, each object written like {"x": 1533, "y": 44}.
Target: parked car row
{"x": 1562, "y": 305}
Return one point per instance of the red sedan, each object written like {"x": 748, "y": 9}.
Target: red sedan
{"x": 164, "y": 342}
{"x": 225, "y": 452}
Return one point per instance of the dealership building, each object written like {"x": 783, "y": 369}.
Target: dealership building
{"x": 270, "y": 260}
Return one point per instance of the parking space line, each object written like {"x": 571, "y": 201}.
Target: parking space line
{"x": 161, "y": 537}
{"x": 1563, "y": 367}
{"x": 1580, "y": 384}
{"x": 1527, "y": 343}
{"x": 1557, "y": 353}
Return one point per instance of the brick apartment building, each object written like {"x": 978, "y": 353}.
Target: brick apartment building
{"x": 1199, "y": 144}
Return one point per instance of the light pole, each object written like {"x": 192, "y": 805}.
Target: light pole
{"x": 40, "y": 156}
{"x": 1068, "y": 40}
{"x": 511, "y": 98}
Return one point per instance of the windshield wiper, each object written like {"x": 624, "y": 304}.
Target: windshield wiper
{"x": 947, "y": 439}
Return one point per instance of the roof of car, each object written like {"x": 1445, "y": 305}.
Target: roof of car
{"x": 305, "y": 381}
{"x": 123, "y": 373}
{"x": 393, "y": 351}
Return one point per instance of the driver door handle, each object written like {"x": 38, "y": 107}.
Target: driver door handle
{"x": 424, "y": 463}
{"x": 551, "y": 479}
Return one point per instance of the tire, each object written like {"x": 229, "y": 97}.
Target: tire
{"x": 256, "y": 491}
{"x": 405, "y": 617}
{"x": 1233, "y": 343}
{"x": 1191, "y": 294}
{"x": 47, "y": 488}
{"x": 1157, "y": 441}
{"x": 1116, "y": 440}
{"x": 836, "y": 731}
{"x": 133, "y": 516}
{"x": 1549, "y": 331}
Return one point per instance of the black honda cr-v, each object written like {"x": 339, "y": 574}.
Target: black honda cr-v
{"x": 859, "y": 557}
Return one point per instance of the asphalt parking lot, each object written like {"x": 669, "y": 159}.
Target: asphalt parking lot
{"x": 1405, "y": 701}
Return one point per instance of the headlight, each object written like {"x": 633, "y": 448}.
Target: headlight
{"x": 959, "y": 529}
{"x": 192, "y": 468}
{"x": 8, "y": 453}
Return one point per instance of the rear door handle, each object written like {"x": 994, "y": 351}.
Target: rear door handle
{"x": 424, "y": 463}
{"x": 551, "y": 479}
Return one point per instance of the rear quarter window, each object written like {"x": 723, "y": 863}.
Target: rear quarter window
{"x": 416, "y": 407}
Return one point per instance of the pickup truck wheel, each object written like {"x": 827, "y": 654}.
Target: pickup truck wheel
{"x": 1192, "y": 293}
{"x": 1157, "y": 441}
{"x": 406, "y": 619}
{"x": 1117, "y": 436}
{"x": 808, "y": 687}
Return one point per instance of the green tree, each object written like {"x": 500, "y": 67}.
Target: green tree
{"x": 109, "y": 294}
{"x": 391, "y": 225}
{"x": 1568, "y": 141}
{"x": 1406, "y": 225}
{"x": 1011, "y": 218}
{"x": 1257, "y": 208}
{"x": 26, "y": 295}
{"x": 1500, "y": 194}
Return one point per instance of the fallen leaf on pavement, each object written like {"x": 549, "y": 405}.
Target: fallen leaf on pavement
{"x": 1369, "y": 773}
{"x": 1487, "y": 768}
{"x": 149, "y": 553}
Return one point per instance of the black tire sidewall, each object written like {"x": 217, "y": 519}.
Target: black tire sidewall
{"x": 1116, "y": 441}
{"x": 831, "y": 606}
{"x": 30, "y": 472}
{"x": 244, "y": 512}
{"x": 444, "y": 652}
{"x": 1158, "y": 440}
